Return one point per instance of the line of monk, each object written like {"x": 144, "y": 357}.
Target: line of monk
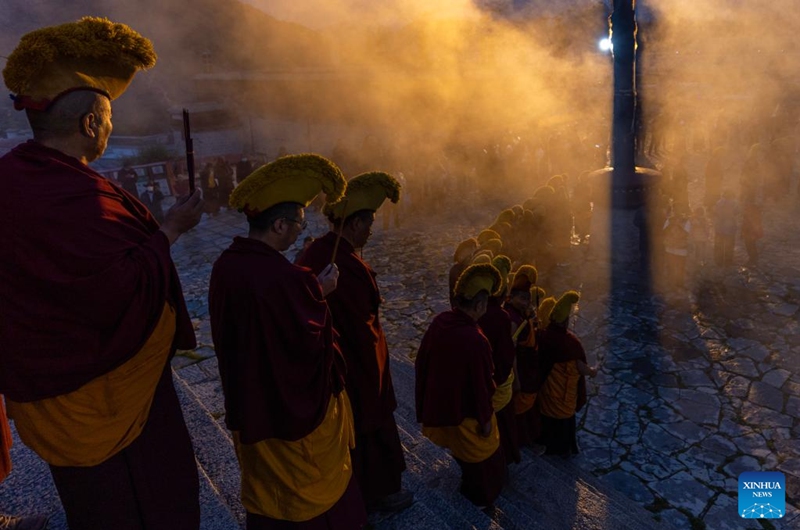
{"x": 531, "y": 366}
{"x": 93, "y": 313}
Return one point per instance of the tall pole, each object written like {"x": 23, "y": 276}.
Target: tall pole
{"x": 623, "y": 139}
{"x": 623, "y": 221}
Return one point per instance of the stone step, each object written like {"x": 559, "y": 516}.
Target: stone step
{"x": 434, "y": 477}
{"x": 418, "y": 514}
{"x": 538, "y": 484}
{"x": 543, "y": 493}
{"x": 213, "y": 449}
{"x": 552, "y": 481}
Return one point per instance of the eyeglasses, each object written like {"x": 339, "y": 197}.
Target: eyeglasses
{"x": 302, "y": 224}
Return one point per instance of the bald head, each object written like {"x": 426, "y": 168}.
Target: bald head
{"x": 77, "y": 123}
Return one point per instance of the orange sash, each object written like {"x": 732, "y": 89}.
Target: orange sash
{"x": 558, "y": 396}
{"x": 90, "y": 425}
{"x": 297, "y": 481}
{"x": 502, "y": 394}
{"x": 523, "y": 402}
{"x": 465, "y": 441}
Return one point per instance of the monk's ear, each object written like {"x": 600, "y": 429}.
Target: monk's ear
{"x": 278, "y": 226}
{"x": 88, "y": 125}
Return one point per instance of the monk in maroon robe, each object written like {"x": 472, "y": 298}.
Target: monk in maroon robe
{"x": 92, "y": 309}
{"x": 563, "y": 393}
{"x": 497, "y": 326}
{"x": 529, "y": 374}
{"x": 85, "y": 277}
{"x": 378, "y": 456}
{"x": 454, "y": 388}
{"x": 281, "y": 370}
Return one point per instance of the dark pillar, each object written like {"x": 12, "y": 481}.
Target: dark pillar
{"x": 620, "y": 227}
{"x": 623, "y": 147}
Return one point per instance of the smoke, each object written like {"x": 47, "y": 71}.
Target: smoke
{"x": 721, "y": 74}
{"x": 514, "y": 90}
{"x": 461, "y": 95}
{"x": 465, "y": 96}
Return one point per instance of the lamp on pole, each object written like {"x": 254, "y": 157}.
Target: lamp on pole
{"x": 620, "y": 231}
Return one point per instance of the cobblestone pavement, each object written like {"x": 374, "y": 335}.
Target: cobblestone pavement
{"x": 693, "y": 389}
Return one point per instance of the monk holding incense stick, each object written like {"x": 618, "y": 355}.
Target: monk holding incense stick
{"x": 280, "y": 366}
{"x": 92, "y": 309}
{"x": 378, "y": 456}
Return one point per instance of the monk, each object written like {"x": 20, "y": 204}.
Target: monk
{"x": 529, "y": 377}
{"x": 378, "y": 460}
{"x": 454, "y": 387}
{"x": 92, "y": 304}
{"x": 497, "y": 326}
{"x": 281, "y": 369}
{"x": 563, "y": 393}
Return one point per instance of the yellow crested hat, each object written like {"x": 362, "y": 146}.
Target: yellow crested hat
{"x": 503, "y": 264}
{"x": 484, "y": 257}
{"x": 506, "y": 216}
{"x": 555, "y": 182}
{"x": 503, "y": 228}
{"x": 537, "y": 293}
{"x": 492, "y": 245}
{"x": 545, "y": 310}
{"x": 365, "y": 192}
{"x": 465, "y": 249}
{"x": 292, "y": 178}
{"x": 524, "y": 278}
{"x": 476, "y": 278}
{"x": 564, "y": 305}
{"x": 91, "y": 54}
{"x": 486, "y": 235}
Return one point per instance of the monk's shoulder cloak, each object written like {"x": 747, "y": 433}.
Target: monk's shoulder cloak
{"x": 84, "y": 275}
{"x": 274, "y": 340}
{"x": 453, "y": 372}
{"x": 355, "y": 306}
{"x": 496, "y": 325}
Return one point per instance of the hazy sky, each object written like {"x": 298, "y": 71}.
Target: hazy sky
{"x": 319, "y": 14}
{"x": 316, "y": 14}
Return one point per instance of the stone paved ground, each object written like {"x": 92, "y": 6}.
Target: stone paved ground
{"x": 692, "y": 391}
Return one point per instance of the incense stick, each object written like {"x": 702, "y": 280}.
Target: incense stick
{"x": 339, "y": 234}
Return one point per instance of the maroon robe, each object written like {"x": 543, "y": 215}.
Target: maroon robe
{"x": 278, "y": 359}
{"x": 274, "y": 340}
{"x": 84, "y": 274}
{"x": 454, "y": 372}
{"x": 496, "y": 325}
{"x": 150, "y": 484}
{"x": 378, "y": 457}
{"x": 454, "y": 382}
{"x": 557, "y": 344}
{"x": 530, "y": 379}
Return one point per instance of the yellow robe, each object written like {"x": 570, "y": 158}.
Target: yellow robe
{"x": 93, "y": 423}
{"x": 502, "y": 394}
{"x": 465, "y": 441}
{"x": 558, "y": 397}
{"x": 299, "y": 480}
